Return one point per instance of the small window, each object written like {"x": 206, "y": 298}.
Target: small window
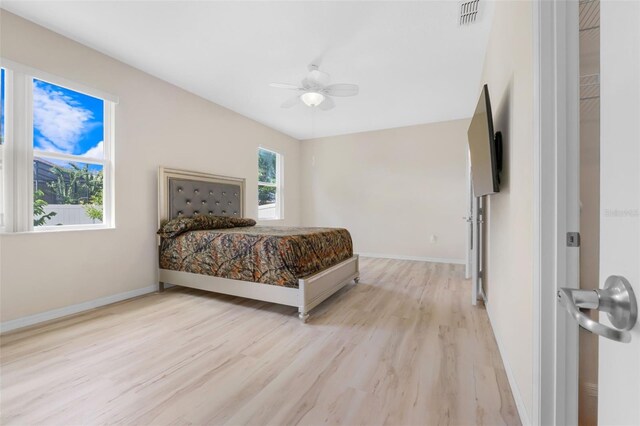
{"x": 3, "y": 190}
{"x": 2, "y": 106}
{"x": 269, "y": 185}
{"x": 68, "y": 156}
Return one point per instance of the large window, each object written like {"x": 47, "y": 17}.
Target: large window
{"x": 269, "y": 185}
{"x": 60, "y": 149}
{"x": 68, "y": 156}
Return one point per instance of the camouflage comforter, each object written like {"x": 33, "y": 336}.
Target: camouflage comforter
{"x": 270, "y": 255}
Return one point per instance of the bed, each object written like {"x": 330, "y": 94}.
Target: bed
{"x": 293, "y": 266}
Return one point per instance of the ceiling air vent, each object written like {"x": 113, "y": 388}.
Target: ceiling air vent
{"x": 469, "y": 12}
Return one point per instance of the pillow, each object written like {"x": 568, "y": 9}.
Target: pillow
{"x": 239, "y": 222}
{"x": 180, "y": 225}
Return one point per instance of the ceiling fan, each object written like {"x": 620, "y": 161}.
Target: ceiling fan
{"x": 315, "y": 90}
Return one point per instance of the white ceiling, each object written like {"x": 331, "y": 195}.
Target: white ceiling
{"x": 412, "y": 60}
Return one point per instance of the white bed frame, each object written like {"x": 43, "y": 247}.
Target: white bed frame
{"x": 311, "y": 290}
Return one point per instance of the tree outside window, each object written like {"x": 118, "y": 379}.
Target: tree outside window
{"x": 269, "y": 185}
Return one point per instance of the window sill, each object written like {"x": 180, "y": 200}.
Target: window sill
{"x": 271, "y": 219}
{"x": 55, "y": 229}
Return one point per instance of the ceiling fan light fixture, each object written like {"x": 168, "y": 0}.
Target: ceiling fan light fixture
{"x": 312, "y": 99}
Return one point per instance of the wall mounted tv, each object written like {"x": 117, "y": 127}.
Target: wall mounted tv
{"x": 485, "y": 149}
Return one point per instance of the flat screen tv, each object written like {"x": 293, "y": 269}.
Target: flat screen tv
{"x": 485, "y": 149}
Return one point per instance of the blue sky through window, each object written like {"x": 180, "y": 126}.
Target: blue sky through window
{"x": 66, "y": 121}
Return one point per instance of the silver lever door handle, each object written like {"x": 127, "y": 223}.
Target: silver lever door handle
{"x": 616, "y": 299}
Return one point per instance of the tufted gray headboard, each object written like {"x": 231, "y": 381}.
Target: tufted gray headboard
{"x": 185, "y": 193}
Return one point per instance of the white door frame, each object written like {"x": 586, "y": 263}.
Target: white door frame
{"x": 556, "y": 208}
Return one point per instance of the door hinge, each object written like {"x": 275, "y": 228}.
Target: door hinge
{"x": 573, "y": 239}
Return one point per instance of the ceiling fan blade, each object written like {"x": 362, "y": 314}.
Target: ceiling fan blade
{"x": 342, "y": 89}
{"x": 290, "y": 102}
{"x": 284, "y": 86}
{"x": 327, "y": 104}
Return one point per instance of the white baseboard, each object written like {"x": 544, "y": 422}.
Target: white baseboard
{"x": 73, "y": 309}
{"x": 418, "y": 258}
{"x": 515, "y": 390}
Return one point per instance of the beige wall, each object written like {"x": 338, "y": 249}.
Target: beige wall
{"x": 393, "y": 189}
{"x": 156, "y": 124}
{"x": 509, "y": 268}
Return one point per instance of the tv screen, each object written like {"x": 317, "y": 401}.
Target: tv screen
{"x": 484, "y": 149}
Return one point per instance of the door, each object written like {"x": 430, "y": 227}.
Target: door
{"x": 619, "y": 363}
{"x": 473, "y": 263}
{"x": 618, "y": 344}
{"x": 469, "y": 219}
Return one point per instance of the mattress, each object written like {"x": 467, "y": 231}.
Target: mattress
{"x": 263, "y": 254}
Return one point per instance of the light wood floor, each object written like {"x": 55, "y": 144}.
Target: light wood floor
{"x": 403, "y": 347}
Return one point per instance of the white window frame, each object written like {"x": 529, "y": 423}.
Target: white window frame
{"x": 279, "y": 208}
{"x": 18, "y": 151}
{"x": 6, "y": 172}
